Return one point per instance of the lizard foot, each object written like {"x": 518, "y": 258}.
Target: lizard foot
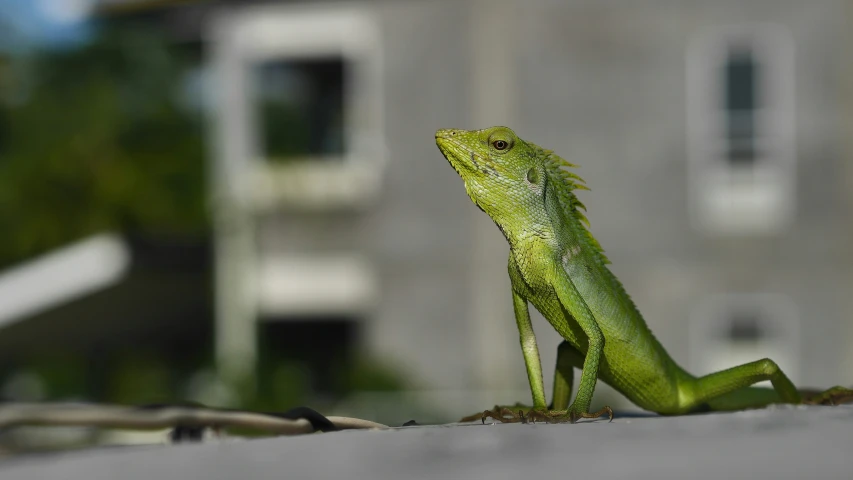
{"x": 504, "y": 414}
{"x": 523, "y": 414}
{"x": 563, "y": 416}
{"x": 832, "y": 396}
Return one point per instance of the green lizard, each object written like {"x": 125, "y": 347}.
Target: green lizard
{"x": 557, "y": 265}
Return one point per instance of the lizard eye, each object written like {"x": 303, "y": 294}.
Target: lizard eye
{"x": 500, "y": 144}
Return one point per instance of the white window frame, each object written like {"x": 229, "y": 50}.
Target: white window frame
{"x": 724, "y": 199}
{"x": 243, "y": 183}
{"x": 252, "y": 35}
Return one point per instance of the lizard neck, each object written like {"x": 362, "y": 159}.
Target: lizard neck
{"x": 519, "y": 237}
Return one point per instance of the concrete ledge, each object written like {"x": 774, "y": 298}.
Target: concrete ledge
{"x": 776, "y": 443}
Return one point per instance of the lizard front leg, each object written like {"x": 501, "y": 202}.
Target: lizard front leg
{"x": 574, "y": 304}
{"x": 567, "y": 358}
{"x": 530, "y": 351}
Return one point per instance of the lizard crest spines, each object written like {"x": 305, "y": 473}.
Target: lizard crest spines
{"x": 565, "y": 183}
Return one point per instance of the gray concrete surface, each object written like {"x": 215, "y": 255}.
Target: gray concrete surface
{"x": 777, "y": 443}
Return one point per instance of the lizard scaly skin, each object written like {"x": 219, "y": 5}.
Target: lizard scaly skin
{"x": 556, "y": 265}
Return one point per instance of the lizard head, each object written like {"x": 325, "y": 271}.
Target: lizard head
{"x": 522, "y": 186}
{"x": 514, "y": 181}
{"x": 500, "y": 170}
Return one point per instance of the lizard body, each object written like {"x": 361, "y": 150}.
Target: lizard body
{"x": 556, "y": 265}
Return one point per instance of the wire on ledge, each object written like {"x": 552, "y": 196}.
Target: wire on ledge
{"x": 297, "y": 421}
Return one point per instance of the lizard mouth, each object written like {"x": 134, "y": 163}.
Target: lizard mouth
{"x": 457, "y": 154}
{"x": 450, "y": 150}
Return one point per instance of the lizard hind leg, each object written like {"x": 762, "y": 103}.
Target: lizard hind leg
{"x": 568, "y": 358}
{"x": 728, "y": 389}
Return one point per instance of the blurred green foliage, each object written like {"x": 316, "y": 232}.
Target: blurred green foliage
{"x": 101, "y": 138}
{"x": 366, "y": 375}
{"x": 110, "y": 137}
{"x": 138, "y": 378}
{"x": 64, "y": 376}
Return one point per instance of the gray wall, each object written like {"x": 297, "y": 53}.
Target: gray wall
{"x": 602, "y": 84}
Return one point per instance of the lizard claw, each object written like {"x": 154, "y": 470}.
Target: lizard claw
{"x": 832, "y": 396}
{"x": 571, "y": 416}
{"x": 607, "y": 410}
{"x": 537, "y": 415}
{"x": 504, "y": 415}
{"x": 563, "y": 416}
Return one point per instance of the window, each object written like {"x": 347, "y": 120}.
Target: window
{"x": 740, "y": 81}
{"x": 727, "y": 330}
{"x": 299, "y": 106}
{"x": 740, "y": 101}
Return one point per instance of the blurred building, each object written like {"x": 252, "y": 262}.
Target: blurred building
{"x": 714, "y": 136}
